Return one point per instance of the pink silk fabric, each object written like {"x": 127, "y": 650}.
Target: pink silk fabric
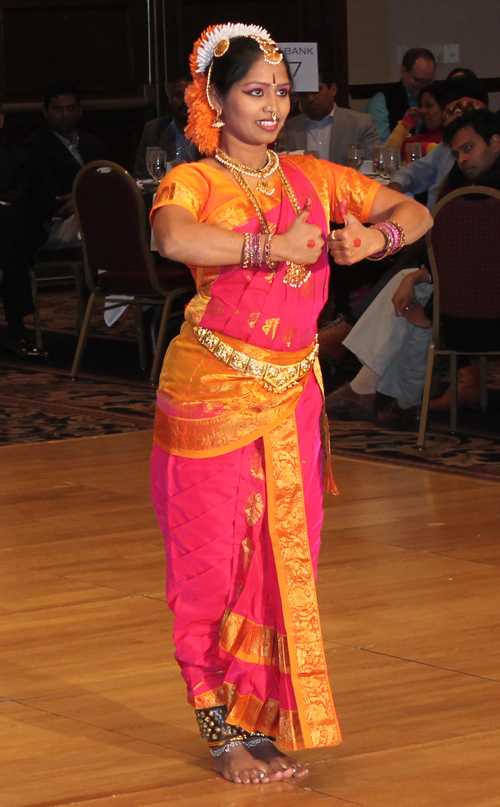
{"x": 200, "y": 505}
{"x": 242, "y": 301}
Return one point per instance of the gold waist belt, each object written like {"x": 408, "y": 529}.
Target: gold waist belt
{"x": 274, "y": 377}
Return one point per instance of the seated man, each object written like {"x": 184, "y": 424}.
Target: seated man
{"x": 427, "y": 173}
{"x": 326, "y": 128}
{"x": 394, "y": 357}
{"x": 418, "y": 70}
{"x": 168, "y": 133}
{"x": 58, "y": 150}
{"x": 19, "y": 234}
{"x": 392, "y": 349}
{"x": 457, "y": 96}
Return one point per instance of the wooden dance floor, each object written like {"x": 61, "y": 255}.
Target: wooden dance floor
{"x": 92, "y": 705}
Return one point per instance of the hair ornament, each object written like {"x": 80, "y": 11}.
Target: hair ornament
{"x": 204, "y": 122}
{"x": 214, "y": 41}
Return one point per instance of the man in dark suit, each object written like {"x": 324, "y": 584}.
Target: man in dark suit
{"x": 58, "y": 150}
{"x": 326, "y": 128}
{"x": 168, "y": 133}
{"x": 418, "y": 70}
{"x": 20, "y": 233}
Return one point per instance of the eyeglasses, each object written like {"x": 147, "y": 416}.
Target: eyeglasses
{"x": 422, "y": 82}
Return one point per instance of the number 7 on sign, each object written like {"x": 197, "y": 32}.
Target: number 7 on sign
{"x": 295, "y": 67}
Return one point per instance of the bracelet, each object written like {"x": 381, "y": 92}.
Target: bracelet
{"x": 394, "y": 239}
{"x": 246, "y": 250}
{"x": 252, "y": 250}
{"x": 267, "y": 251}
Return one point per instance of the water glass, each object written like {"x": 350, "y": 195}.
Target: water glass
{"x": 356, "y": 155}
{"x": 413, "y": 151}
{"x": 378, "y": 159}
{"x": 156, "y": 163}
{"x": 392, "y": 161}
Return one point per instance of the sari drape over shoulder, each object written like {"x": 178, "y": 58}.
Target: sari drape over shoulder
{"x": 237, "y": 464}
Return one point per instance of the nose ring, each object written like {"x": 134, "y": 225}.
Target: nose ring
{"x": 274, "y": 117}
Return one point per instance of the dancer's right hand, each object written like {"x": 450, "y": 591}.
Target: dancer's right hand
{"x": 302, "y": 243}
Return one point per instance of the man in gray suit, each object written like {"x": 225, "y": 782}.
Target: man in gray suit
{"x": 326, "y": 128}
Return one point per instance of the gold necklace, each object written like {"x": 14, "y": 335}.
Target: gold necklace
{"x": 296, "y": 274}
{"x": 262, "y": 173}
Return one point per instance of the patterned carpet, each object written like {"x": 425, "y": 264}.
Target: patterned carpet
{"x": 39, "y": 401}
{"x": 43, "y": 404}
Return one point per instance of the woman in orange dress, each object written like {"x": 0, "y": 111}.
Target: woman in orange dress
{"x": 239, "y": 466}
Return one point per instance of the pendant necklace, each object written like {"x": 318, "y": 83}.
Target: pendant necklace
{"x": 296, "y": 274}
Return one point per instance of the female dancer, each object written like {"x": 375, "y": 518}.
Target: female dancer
{"x": 236, "y": 465}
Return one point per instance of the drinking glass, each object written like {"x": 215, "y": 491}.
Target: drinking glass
{"x": 413, "y": 151}
{"x": 392, "y": 161}
{"x": 378, "y": 159}
{"x": 356, "y": 155}
{"x": 156, "y": 162}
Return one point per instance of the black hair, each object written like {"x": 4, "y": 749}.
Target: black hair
{"x": 326, "y": 77}
{"x": 463, "y": 87}
{"x": 242, "y": 53}
{"x": 484, "y": 122}
{"x": 465, "y": 72}
{"x": 435, "y": 89}
{"x": 413, "y": 54}
{"x": 61, "y": 86}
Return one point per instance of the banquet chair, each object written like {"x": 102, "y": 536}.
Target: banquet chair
{"x": 117, "y": 258}
{"x": 464, "y": 251}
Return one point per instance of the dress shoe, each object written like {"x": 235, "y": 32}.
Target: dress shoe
{"x": 346, "y": 404}
{"x": 468, "y": 390}
{"x": 394, "y": 416}
{"x": 330, "y": 338}
{"x": 24, "y": 349}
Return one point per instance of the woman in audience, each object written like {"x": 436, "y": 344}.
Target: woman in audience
{"x": 237, "y": 457}
{"x": 429, "y": 113}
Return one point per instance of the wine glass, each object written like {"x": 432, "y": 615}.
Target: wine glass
{"x": 378, "y": 159}
{"x": 392, "y": 161}
{"x": 413, "y": 151}
{"x": 156, "y": 163}
{"x": 356, "y": 156}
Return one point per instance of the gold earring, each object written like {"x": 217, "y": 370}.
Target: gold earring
{"x": 218, "y": 123}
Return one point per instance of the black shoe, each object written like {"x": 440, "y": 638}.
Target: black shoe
{"x": 24, "y": 349}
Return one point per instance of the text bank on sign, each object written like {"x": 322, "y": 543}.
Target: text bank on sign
{"x": 303, "y": 60}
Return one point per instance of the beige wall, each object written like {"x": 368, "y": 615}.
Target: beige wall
{"x": 368, "y": 38}
{"x": 377, "y": 28}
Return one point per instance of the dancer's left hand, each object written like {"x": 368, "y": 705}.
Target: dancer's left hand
{"x": 354, "y": 242}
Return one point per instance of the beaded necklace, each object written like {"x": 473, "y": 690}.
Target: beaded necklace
{"x": 263, "y": 173}
{"x": 296, "y": 274}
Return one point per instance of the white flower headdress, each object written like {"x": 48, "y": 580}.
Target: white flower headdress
{"x": 213, "y": 42}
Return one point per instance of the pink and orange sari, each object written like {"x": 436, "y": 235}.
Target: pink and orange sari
{"x": 236, "y": 468}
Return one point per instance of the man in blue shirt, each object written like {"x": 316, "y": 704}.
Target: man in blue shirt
{"x": 388, "y": 107}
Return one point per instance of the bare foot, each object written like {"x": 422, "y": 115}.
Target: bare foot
{"x": 279, "y": 764}
{"x": 414, "y": 313}
{"x": 240, "y": 766}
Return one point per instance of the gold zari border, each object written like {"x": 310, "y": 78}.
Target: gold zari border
{"x": 288, "y": 528}
{"x": 257, "y": 644}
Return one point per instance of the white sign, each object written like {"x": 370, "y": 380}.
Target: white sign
{"x": 303, "y": 60}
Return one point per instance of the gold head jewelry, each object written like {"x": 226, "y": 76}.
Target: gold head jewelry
{"x": 204, "y": 119}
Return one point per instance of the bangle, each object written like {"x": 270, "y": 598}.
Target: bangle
{"x": 246, "y": 250}
{"x": 267, "y": 250}
{"x": 394, "y": 239}
{"x": 252, "y": 250}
